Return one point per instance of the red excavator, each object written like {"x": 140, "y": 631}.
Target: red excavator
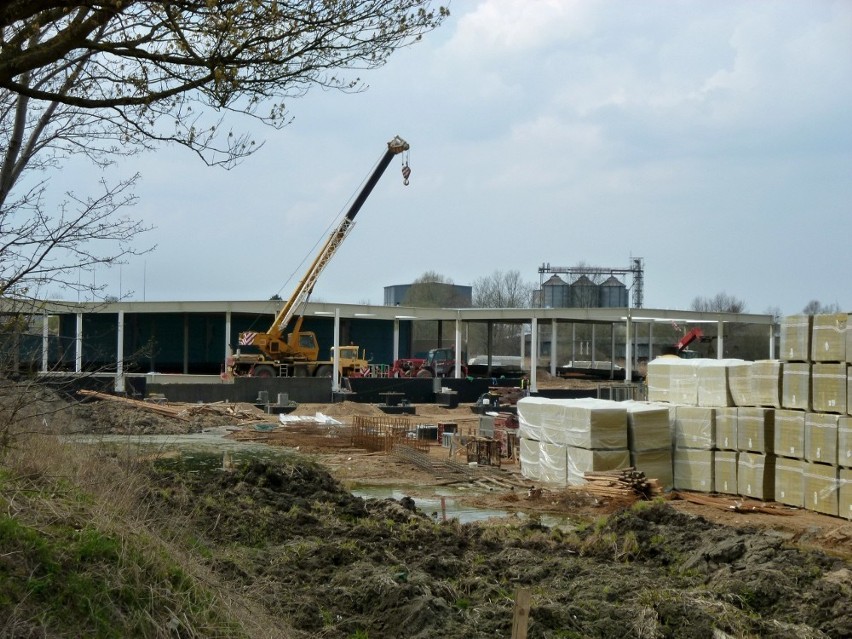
{"x": 680, "y": 348}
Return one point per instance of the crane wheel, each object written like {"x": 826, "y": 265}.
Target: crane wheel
{"x": 263, "y": 371}
{"x": 424, "y": 372}
{"x": 324, "y": 371}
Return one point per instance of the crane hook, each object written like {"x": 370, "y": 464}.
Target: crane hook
{"x": 406, "y": 170}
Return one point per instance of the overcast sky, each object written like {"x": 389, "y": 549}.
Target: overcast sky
{"x": 711, "y": 139}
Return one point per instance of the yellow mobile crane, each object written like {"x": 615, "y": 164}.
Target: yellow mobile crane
{"x": 296, "y": 354}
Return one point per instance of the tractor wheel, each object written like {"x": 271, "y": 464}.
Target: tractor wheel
{"x": 324, "y": 371}
{"x": 424, "y": 372}
{"x": 263, "y": 371}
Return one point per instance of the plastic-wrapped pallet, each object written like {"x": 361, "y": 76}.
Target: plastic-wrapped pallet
{"x": 796, "y": 338}
{"x": 656, "y": 464}
{"x": 849, "y": 389}
{"x": 658, "y": 378}
{"x": 694, "y": 469}
{"x": 830, "y": 388}
{"x": 586, "y": 423}
{"x": 821, "y": 488}
{"x": 648, "y": 426}
{"x": 739, "y": 381}
{"x": 528, "y": 456}
{"x": 725, "y": 471}
{"x": 844, "y": 442}
{"x": 796, "y": 387}
{"x": 821, "y": 437}
{"x": 756, "y": 429}
{"x": 714, "y": 388}
{"x": 674, "y": 380}
{"x": 766, "y": 379}
{"x": 695, "y": 427}
{"x": 790, "y": 481}
{"x": 845, "y": 494}
{"x": 726, "y": 428}
{"x": 849, "y": 341}
{"x": 552, "y": 463}
{"x": 683, "y": 382}
{"x": 790, "y": 433}
{"x": 756, "y": 476}
{"x": 583, "y": 460}
{"x": 529, "y": 426}
{"x": 828, "y": 341}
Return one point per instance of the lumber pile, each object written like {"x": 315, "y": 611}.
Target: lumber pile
{"x": 160, "y": 409}
{"x": 182, "y": 412}
{"x": 627, "y": 482}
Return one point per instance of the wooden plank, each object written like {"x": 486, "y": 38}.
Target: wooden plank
{"x": 521, "y": 616}
{"x": 154, "y": 408}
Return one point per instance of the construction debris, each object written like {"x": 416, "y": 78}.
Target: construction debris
{"x": 182, "y": 412}
{"x": 736, "y": 505}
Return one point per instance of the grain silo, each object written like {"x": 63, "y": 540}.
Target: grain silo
{"x": 584, "y": 293}
{"x": 613, "y": 293}
{"x": 555, "y": 293}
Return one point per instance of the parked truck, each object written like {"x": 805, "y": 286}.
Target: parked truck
{"x": 277, "y": 353}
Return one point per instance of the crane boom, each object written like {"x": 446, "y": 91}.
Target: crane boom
{"x": 306, "y": 285}
{"x": 297, "y": 352}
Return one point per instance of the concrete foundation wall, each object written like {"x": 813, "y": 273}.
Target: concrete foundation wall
{"x": 301, "y": 390}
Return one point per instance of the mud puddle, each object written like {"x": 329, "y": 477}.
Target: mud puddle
{"x": 193, "y": 452}
{"x": 438, "y": 506}
{"x": 209, "y": 439}
{"x": 444, "y": 504}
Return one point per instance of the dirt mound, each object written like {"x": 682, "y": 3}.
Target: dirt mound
{"x": 333, "y": 565}
{"x": 98, "y": 417}
{"x": 340, "y": 410}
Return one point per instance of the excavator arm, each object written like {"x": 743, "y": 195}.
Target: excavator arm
{"x": 687, "y": 339}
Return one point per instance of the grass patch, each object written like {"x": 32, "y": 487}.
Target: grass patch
{"x": 81, "y": 556}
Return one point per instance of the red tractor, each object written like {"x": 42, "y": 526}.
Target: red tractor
{"x": 406, "y": 367}
{"x": 439, "y": 362}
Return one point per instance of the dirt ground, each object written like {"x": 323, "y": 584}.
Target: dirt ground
{"x": 355, "y": 467}
{"x": 328, "y": 564}
{"x": 293, "y": 537}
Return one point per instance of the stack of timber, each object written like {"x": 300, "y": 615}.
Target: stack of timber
{"x": 160, "y": 409}
{"x": 183, "y": 412}
{"x": 626, "y": 482}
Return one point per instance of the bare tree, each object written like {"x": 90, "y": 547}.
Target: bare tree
{"x": 106, "y": 80}
{"x": 168, "y": 71}
{"x": 433, "y": 290}
{"x": 502, "y": 290}
{"x": 815, "y": 307}
{"x": 775, "y": 312}
{"x": 38, "y": 249}
{"x": 719, "y": 303}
